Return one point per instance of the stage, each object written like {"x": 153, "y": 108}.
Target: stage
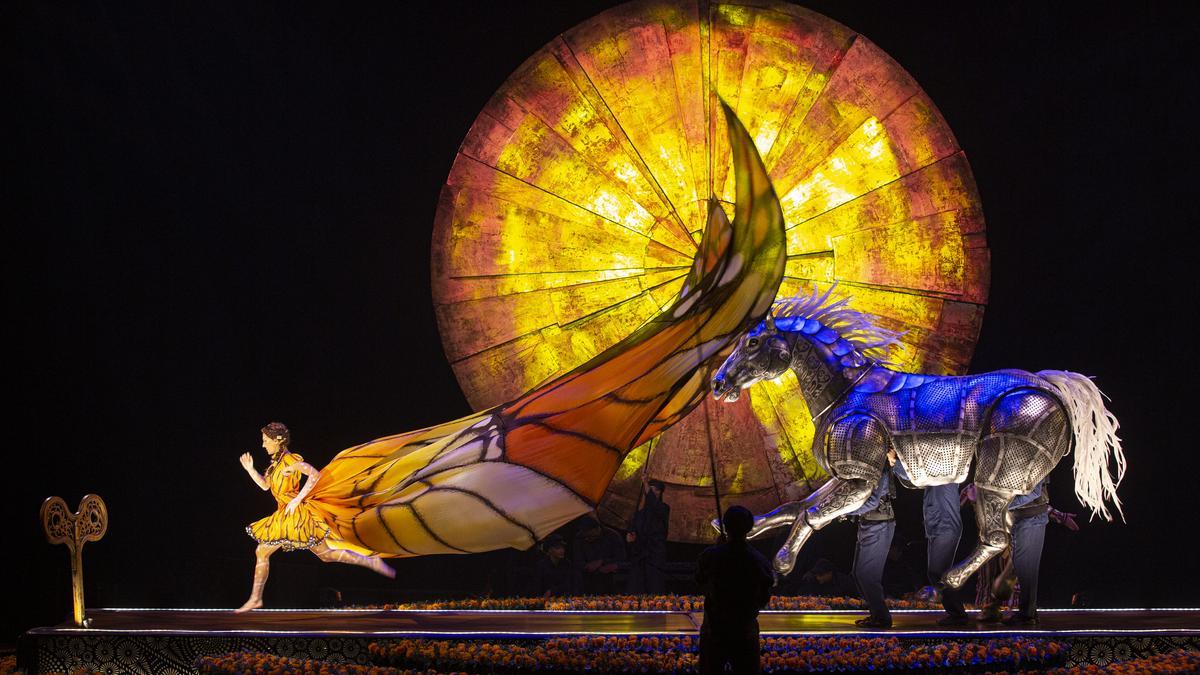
{"x": 170, "y": 640}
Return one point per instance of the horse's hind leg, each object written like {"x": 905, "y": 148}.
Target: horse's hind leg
{"x": 995, "y": 533}
{"x": 1023, "y": 440}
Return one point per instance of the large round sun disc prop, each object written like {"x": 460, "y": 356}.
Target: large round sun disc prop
{"x": 574, "y": 208}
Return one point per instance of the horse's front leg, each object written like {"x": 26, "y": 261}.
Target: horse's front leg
{"x": 786, "y": 514}
{"x": 856, "y": 448}
{"x": 844, "y": 496}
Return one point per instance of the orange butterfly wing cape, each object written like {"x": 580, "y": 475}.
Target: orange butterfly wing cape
{"x": 508, "y": 476}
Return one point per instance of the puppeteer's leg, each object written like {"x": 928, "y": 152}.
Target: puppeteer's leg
{"x": 994, "y": 586}
{"x": 1028, "y": 536}
{"x": 1005, "y": 584}
{"x": 943, "y": 529}
{"x": 870, "y": 556}
{"x": 262, "y": 567}
{"x": 371, "y": 562}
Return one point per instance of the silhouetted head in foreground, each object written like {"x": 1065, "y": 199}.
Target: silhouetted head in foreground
{"x": 556, "y": 547}
{"x": 738, "y": 520}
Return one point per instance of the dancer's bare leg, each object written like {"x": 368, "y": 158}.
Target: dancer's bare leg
{"x": 371, "y": 562}
{"x": 262, "y": 567}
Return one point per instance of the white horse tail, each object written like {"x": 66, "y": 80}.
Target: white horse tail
{"x": 1096, "y": 441}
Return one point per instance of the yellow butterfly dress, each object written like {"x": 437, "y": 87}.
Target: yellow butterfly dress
{"x": 305, "y": 526}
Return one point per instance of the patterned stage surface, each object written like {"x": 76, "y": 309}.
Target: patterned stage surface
{"x": 171, "y": 640}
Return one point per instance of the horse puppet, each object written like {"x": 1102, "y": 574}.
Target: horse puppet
{"x": 1016, "y": 425}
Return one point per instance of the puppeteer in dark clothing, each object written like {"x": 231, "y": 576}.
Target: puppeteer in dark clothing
{"x": 556, "y": 575}
{"x": 822, "y": 580}
{"x": 648, "y": 542}
{"x": 598, "y": 554}
{"x": 737, "y": 583}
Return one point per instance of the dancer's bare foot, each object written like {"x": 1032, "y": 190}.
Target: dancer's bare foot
{"x": 252, "y": 604}
{"x": 383, "y": 568}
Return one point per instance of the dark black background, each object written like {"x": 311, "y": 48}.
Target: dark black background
{"x": 222, "y": 216}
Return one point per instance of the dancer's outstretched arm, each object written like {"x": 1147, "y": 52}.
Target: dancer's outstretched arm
{"x": 308, "y": 470}
{"x": 248, "y": 464}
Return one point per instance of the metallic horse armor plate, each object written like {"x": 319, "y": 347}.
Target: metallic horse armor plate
{"x": 933, "y": 427}
{"x": 1016, "y": 425}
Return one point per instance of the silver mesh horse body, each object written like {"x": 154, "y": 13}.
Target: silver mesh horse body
{"x": 935, "y": 423}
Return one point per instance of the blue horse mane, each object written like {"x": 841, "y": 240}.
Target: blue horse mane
{"x": 815, "y": 312}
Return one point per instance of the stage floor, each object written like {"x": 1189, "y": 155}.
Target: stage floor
{"x": 171, "y": 640}
{"x": 451, "y": 623}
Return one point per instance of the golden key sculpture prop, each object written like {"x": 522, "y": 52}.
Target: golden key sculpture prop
{"x": 89, "y": 523}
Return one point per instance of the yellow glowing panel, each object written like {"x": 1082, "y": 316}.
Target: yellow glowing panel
{"x": 815, "y": 267}
{"x": 938, "y": 188}
{"x": 666, "y": 292}
{"x": 591, "y": 335}
{"x": 781, "y": 408}
{"x": 511, "y": 367}
{"x": 546, "y": 87}
{"x": 923, "y": 254}
{"x": 572, "y": 212}
{"x": 862, "y": 163}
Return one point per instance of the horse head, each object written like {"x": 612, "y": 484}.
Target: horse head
{"x": 827, "y": 343}
{"x": 763, "y": 353}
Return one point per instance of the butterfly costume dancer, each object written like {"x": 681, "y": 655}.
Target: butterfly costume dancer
{"x": 510, "y": 475}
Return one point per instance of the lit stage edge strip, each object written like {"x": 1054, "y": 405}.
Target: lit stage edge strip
{"x": 1090, "y": 610}
{"x": 540, "y": 634}
{"x": 396, "y": 611}
{"x": 692, "y": 616}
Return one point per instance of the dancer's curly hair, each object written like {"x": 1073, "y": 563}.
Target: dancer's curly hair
{"x": 279, "y": 432}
